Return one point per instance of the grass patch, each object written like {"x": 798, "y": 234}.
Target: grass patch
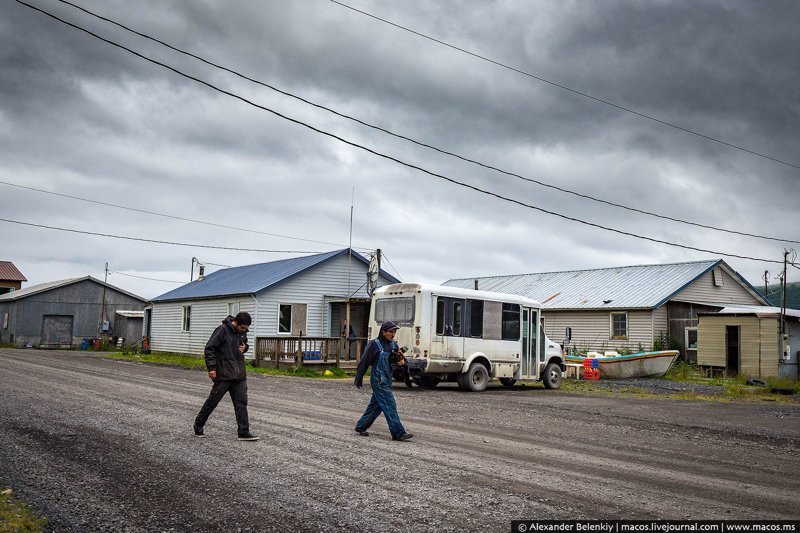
{"x": 198, "y": 363}
{"x": 17, "y": 516}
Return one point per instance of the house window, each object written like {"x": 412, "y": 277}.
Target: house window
{"x": 510, "y": 328}
{"x": 187, "y": 318}
{"x": 284, "y": 318}
{"x": 691, "y": 343}
{"x": 5, "y": 321}
{"x": 619, "y": 325}
{"x": 233, "y": 308}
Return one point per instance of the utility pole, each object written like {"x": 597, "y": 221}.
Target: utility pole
{"x": 766, "y": 285}
{"x": 191, "y": 274}
{"x": 349, "y": 266}
{"x": 784, "y": 336}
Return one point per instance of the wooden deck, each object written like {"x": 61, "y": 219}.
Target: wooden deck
{"x": 321, "y": 352}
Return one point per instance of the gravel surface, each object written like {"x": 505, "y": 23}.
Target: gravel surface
{"x": 100, "y": 445}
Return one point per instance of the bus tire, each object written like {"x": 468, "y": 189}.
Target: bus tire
{"x": 508, "y": 382}
{"x": 477, "y": 377}
{"x": 552, "y": 376}
{"x": 427, "y": 382}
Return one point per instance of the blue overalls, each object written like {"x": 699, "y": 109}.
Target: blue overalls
{"x": 382, "y": 397}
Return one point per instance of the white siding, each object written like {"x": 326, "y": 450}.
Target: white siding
{"x": 704, "y": 291}
{"x": 311, "y": 288}
{"x": 660, "y": 320}
{"x": 591, "y": 330}
{"x": 166, "y": 334}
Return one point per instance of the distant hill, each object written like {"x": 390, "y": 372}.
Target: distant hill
{"x": 792, "y": 294}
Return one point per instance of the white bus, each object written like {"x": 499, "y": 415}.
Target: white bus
{"x": 467, "y": 336}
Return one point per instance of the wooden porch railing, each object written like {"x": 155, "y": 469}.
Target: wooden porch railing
{"x": 275, "y": 352}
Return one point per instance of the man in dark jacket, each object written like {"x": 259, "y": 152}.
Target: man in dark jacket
{"x": 378, "y": 356}
{"x": 225, "y": 363}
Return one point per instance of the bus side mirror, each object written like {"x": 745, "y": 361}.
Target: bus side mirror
{"x": 569, "y": 334}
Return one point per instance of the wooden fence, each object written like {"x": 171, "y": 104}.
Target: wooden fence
{"x": 282, "y": 351}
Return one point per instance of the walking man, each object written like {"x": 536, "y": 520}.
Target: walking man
{"x": 225, "y": 363}
{"x": 378, "y": 356}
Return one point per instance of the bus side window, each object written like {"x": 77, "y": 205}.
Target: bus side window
{"x": 475, "y": 318}
{"x": 439, "y": 316}
{"x": 510, "y": 331}
{"x": 458, "y": 309}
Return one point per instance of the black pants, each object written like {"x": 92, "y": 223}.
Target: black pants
{"x": 238, "y": 390}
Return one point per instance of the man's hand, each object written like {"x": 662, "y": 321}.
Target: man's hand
{"x": 242, "y": 347}
{"x": 212, "y": 374}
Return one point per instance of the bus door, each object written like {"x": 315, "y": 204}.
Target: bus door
{"x": 450, "y": 325}
{"x": 529, "y": 368}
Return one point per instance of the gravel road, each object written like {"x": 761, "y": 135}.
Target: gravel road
{"x": 99, "y": 445}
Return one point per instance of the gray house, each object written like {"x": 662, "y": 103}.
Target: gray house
{"x": 300, "y": 296}
{"x": 60, "y": 314}
{"x": 628, "y": 308}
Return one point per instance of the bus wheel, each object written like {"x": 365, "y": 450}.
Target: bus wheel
{"x": 427, "y": 382}
{"x": 552, "y": 376}
{"x": 508, "y": 382}
{"x": 477, "y": 377}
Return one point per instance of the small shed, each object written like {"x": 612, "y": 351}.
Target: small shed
{"x": 128, "y": 325}
{"x": 746, "y": 340}
{"x": 60, "y": 314}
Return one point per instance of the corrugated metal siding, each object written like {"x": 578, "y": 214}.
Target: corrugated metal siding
{"x": 711, "y": 341}
{"x": 770, "y": 347}
{"x": 591, "y": 330}
{"x": 643, "y": 286}
{"x": 660, "y": 320}
{"x": 703, "y": 290}
{"x": 165, "y": 330}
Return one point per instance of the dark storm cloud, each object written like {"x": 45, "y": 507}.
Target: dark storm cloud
{"x": 81, "y": 117}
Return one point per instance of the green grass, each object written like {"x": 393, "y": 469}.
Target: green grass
{"x": 198, "y": 363}
{"x": 17, "y": 516}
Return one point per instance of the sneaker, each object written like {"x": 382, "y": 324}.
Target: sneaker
{"x": 404, "y": 436}
{"x": 248, "y": 436}
{"x": 198, "y": 431}
{"x": 363, "y": 432}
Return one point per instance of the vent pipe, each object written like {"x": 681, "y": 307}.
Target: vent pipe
{"x": 202, "y": 275}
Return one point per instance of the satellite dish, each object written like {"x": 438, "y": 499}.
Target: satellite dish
{"x": 372, "y": 274}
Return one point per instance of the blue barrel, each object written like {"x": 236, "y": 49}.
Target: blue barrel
{"x": 84, "y": 344}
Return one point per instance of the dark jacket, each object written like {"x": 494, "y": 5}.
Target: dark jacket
{"x": 370, "y": 357}
{"x": 222, "y": 352}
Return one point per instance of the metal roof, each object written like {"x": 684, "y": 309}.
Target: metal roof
{"x": 629, "y": 287}
{"x": 251, "y": 279}
{"x": 131, "y": 314}
{"x": 8, "y": 272}
{"x": 42, "y": 287}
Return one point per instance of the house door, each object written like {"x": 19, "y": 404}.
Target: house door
{"x": 732, "y": 350}
{"x": 57, "y": 330}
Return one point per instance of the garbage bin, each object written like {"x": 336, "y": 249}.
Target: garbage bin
{"x": 84, "y": 344}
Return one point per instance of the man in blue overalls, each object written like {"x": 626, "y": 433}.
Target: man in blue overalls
{"x": 378, "y": 357}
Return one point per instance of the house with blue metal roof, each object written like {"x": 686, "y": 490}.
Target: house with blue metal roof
{"x": 291, "y": 297}
{"x": 630, "y": 307}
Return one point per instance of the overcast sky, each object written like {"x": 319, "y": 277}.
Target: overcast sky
{"x": 82, "y": 118}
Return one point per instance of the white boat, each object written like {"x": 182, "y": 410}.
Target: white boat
{"x": 636, "y": 365}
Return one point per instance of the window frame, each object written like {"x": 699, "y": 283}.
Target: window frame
{"x": 507, "y": 312}
{"x": 231, "y": 308}
{"x": 686, "y": 331}
{"x": 186, "y": 319}
{"x": 611, "y": 325}
{"x": 289, "y": 332}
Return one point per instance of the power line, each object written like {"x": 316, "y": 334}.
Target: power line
{"x": 388, "y": 157}
{"x": 564, "y": 87}
{"x": 420, "y": 143}
{"x": 143, "y": 277}
{"x": 191, "y": 245}
{"x": 166, "y": 215}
